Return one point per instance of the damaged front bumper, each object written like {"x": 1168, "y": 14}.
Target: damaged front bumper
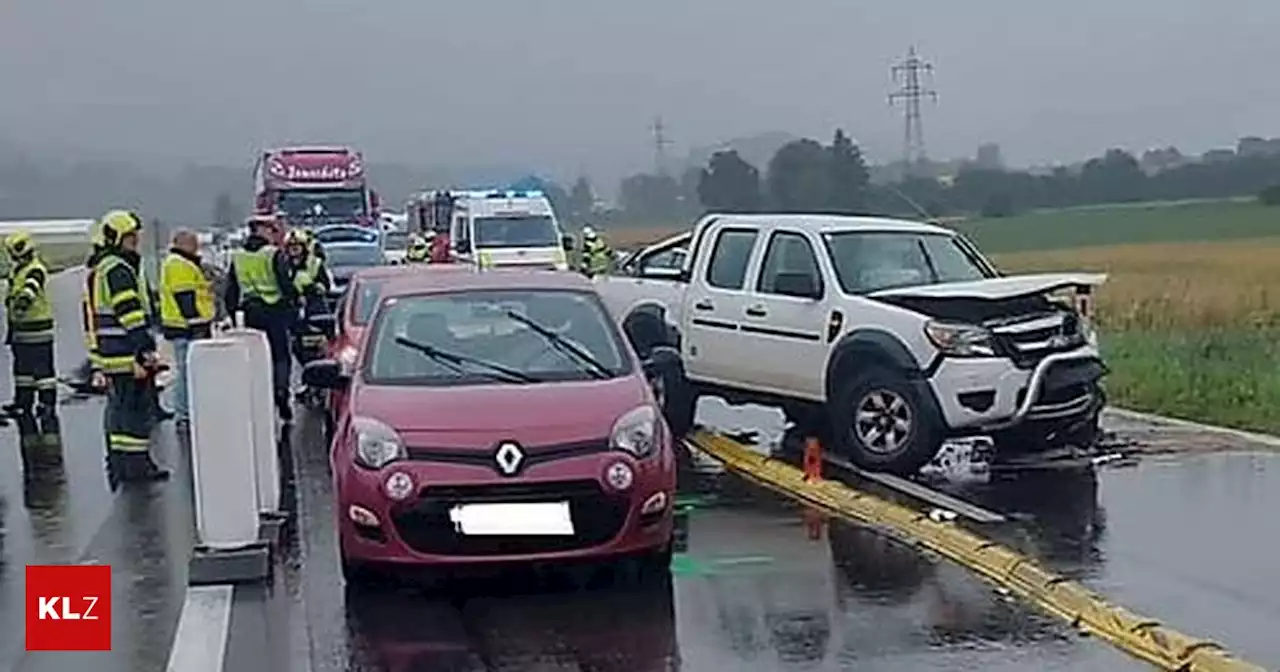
{"x": 992, "y": 394}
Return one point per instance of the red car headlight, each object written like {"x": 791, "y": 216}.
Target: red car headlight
{"x": 636, "y": 432}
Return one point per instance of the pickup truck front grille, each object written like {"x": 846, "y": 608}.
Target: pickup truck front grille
{"x": 1029, "y": 339}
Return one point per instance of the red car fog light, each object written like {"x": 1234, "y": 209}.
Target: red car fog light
{"x": 619, "y": 476}
{"x": 398, "y": 486}
{"x": 655, "y": 504}
{"x": 362, "y": 516}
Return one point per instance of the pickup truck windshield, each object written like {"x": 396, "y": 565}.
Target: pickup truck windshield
{"x": 479, "y": 335}
{"x": 523, "y": 231}
{"x": 871, "y": 261}
{"x": 299, "y": 204}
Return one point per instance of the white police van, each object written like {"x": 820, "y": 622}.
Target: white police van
{"x": 507, "y": 228}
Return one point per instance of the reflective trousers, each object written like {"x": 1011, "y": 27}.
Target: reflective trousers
{"x": 130, "y": 415}
{"x": 34, "y": 376}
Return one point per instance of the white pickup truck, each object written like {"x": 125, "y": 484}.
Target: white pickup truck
{"x": 885, "y": 337}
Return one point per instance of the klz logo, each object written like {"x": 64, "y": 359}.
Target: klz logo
{"x": 49, "y": 609}
{"x": 68, "y": 608}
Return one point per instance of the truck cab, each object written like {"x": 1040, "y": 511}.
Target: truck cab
{"x": 507, "y": 228}
{"x": 315, "y": 186}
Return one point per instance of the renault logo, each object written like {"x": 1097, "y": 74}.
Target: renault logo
{"x": 509, "y": 458}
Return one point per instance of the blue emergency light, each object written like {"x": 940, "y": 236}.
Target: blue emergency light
{"x": 515, "y": 194}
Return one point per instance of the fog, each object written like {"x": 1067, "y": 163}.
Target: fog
{"x": 572, "y": 85}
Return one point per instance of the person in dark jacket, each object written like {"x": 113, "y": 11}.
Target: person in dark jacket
{"x": 260, "y": 285}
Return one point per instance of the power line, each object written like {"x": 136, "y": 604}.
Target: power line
{"x": 911, "y": 91}
{"x": 660, "y": 144}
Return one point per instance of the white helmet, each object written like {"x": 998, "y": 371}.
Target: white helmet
{"x": 588, "y": 233}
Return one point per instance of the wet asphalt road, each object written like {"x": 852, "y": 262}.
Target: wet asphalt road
{"x": 1187, "y": 538}
{"x": 70, "y": 515}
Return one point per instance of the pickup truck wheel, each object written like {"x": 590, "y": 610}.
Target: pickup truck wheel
{"x": 880, "y": 423}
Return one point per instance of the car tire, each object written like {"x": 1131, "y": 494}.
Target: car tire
{"x": 879, "y": 421}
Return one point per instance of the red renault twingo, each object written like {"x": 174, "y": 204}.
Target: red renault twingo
{"x": 497, "y": 416}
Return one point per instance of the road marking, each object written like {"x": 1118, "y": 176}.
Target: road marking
{"x": 683, "y": 564}
{"x": 1151, "y": 418}
{"x": 200, "y": 644}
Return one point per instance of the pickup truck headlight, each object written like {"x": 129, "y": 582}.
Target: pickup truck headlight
{"x": 377, "y": 444}
{"x": 1089, "y": 331}
{"x": 636, "y": 432}
{"x": 958, "y": 339}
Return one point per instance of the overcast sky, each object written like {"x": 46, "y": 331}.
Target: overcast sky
{"x": 571, "y": 84}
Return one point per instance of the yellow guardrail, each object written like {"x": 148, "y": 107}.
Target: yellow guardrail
{"x": 1139, "y": 636}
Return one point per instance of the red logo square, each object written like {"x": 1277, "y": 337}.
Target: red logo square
{"x": 68, "y": 608}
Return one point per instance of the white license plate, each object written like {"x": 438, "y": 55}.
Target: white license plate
{"x": 541, "y": 519}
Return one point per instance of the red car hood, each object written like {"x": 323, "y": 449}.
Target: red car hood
{"x": 479, "y": 416}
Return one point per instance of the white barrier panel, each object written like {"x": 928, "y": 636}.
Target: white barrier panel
{"x": 222, "y": 461}
{"x": 262, "y": 418}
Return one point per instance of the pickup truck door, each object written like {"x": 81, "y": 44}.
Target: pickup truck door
{"x": 715, "y": 301}
{"x": 785, "y": 319}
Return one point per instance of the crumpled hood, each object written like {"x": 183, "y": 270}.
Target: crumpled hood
{"x": 997, "y": 288}
{"x": 482, "y": 415}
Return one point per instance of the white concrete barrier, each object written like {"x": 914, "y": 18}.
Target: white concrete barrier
{"x": 222, "y": 461}
{"x": 262, "y": 419}
{"x": 229, "y": 545}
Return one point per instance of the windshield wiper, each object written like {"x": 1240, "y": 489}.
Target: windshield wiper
{"x": 455, "y": 360}
{"x": 594, "y": 367}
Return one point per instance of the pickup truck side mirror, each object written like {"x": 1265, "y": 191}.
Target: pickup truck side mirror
{"x": 566, "y": 241}
{"x": 464, "y": 246}
{"x": 802, "y": 285}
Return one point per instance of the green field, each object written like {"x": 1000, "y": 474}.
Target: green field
{"x": 1190, "y": 315}
{"x": 1124, "y": 224}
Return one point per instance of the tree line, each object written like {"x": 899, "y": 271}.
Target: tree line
{"x": 807, "y": 176}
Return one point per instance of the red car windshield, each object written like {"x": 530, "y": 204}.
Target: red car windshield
{"x": 487, "y": 336}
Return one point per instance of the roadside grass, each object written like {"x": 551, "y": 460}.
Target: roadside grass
{"x": 1172, "y": 221}
{"x": 1223, "y": 377}
{"x": 1189, "y": 329}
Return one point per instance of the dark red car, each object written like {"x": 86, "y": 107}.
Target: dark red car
{"x": 497, "y": 416}
{"x": 354, "y": 311}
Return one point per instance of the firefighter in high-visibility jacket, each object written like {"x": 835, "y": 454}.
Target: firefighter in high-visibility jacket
{"x": 597, "y": 258}
{"x": 124, "y": 350}
{"x": 311, "y": 282}
{"x": 419, "y": 251}
{"x": 260, "y": 285}
{"x": 30, "y": 330}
